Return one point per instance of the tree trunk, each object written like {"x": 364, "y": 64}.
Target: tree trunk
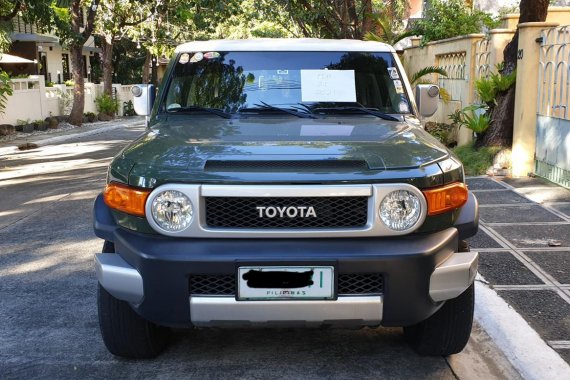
{"x": 146, "y": 68}
{"x": 107, "y": 63}
{"x": 154, "y": 71}
{"x": 76, "y": 116}
{"x": 500, "y": 131}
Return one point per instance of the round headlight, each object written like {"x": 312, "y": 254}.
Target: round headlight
{"x": 172, "y": 210}
{"x": 400, "y": 210}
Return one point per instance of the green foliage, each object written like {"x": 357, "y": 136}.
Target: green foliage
{"x": 5, "y": 90}
{"x": 50, "y": 84}
{"x": 473, "y": 117}
{"x": 390, "y": 30}
{"x": 419, "y": 77}
{"x": 445, "y": 133}
{"x": 449, "y": 18}
{"x": 128, "y": 109}
{"x": 429, "y": 70}
{"x": 476, "y": 161}
{"x": 107, "y": 105}
{"x": 489, "y": 88}
{"x": 69, "y": 83}
{"x": 91, "y": 117}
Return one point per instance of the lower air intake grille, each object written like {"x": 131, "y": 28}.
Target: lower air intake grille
{"x": 348, "y": 284}
{"x": 358, "y": 283}
{"x": 251, "y": 212}
{"x": 218, "y": 285}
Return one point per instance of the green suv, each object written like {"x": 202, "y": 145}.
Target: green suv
{"x": 285, "y": 182}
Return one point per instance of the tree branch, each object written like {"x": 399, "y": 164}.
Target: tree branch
{"x": 17, "y": 7}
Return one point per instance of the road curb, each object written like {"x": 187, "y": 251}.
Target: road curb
{"x": 71, "y": 135}
{"x": 521, "y": 344}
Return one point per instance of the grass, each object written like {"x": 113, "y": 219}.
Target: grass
{"x": 476, "y": 161}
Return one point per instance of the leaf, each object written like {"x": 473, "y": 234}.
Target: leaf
{"x": 418, "y": 75}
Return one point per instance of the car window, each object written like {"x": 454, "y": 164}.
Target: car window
{"x": 234, "y": 81}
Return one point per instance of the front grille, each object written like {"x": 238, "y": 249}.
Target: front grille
{"x": 285, "y": 165}
{"x": 358, "y": 283}
{"x": 242, "y": 212}
{"x": 348, "y": 284}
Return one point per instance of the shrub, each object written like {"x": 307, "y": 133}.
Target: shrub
{"x": 69, "y": 83}
{"x": 50, "y": 84}
{"x": 473, "y": 117}
{"x": 128, "y": 109}
{"x": 489, "y": 88}
{"x": 5, "y": 90}
{"x": 90, "y": 116}
{"x": 443, "y": 132}
{"x": 449, "y": 18}
{"x": 107, "y": 105}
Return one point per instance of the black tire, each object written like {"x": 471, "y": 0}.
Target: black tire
{"x": 108, "y": 247}
{"x": 124, "y": 332}
{"x": 448, "y": 330}
{"x": 463, "y": 246}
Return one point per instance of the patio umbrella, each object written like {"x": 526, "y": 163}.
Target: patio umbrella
{"x": 8, "y": 58}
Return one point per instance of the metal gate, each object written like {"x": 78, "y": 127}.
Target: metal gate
{"x": 552, "y": 154}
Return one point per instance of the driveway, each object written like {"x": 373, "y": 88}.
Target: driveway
{"x": 48, "y": 310}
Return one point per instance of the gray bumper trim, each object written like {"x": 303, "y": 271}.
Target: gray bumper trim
{"x": 453, "y": 276}
{"x": 226, "y": 311}
{"x": 118, "y": 277}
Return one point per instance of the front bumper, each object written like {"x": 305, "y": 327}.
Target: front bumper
{"x": 152, "y": 273}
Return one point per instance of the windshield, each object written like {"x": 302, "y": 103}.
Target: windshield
{"x": 304, "y": 82}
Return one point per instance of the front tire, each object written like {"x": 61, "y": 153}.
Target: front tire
{"x": 447, "y": 331}
{"x": 124, "y": 332}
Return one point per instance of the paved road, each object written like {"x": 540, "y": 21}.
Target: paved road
{"x": 48, "y": 313}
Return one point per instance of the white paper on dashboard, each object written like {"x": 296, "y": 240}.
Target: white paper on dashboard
{"x": 326, "y": 130}
{"x": 328, "y": 86}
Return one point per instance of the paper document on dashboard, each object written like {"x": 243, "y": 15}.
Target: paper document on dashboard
{"x": 328, "y": 86}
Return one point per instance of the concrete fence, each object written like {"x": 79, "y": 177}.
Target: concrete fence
{"x": 32, "y": 100}
{"x": 466, "y": 59}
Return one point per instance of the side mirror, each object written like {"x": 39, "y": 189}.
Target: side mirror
{"x": 143, "y": 98}
{"x": 427, "y": 99}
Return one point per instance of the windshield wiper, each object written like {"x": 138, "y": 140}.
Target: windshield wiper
{"x": 268, "y": 107}
{"x": 369, "y": 111}
{"x": 191, "y": 109}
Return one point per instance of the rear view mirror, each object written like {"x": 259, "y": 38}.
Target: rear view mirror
{"x": 143, "y": 98}
{"x": 427, "y": 99}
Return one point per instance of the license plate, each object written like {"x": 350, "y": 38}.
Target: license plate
{"x": 278, "y": 283}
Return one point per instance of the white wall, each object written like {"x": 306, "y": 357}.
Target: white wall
{"x": 31, "y": 100}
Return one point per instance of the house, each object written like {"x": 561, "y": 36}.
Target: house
{"x": 51, "y": 59}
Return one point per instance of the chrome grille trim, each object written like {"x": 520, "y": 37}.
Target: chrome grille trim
{"x": 198, "y": 227}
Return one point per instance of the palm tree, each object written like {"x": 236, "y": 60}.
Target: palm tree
{"x": 387, "y": 32}
{"x": 420, "y": 77}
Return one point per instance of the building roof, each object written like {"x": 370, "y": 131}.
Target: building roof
{"x": 33, "y": 37}
{"x": 285, "y": 44}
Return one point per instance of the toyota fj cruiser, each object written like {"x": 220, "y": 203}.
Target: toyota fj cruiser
{"x": 285, "y": 183}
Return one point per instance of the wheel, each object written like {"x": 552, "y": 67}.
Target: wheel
{"x": 108, "y": 247}
{"x": 448, "y": 330}
{"x": 124, "y": 332}
{"x": 462, "y": 247}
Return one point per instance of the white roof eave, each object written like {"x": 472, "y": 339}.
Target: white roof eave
{"x": 286, "y": 44}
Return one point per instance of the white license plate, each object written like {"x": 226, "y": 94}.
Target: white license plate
{"x": 276, "y": 283}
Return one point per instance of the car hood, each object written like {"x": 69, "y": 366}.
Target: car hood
{"x": 182, "y": 147}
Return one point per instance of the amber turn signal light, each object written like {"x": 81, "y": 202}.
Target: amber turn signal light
{"x": 446, "y": 198}
{"x": 125, "y": 198}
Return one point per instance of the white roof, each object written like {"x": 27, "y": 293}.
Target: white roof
{"x": 285, "y": 44}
